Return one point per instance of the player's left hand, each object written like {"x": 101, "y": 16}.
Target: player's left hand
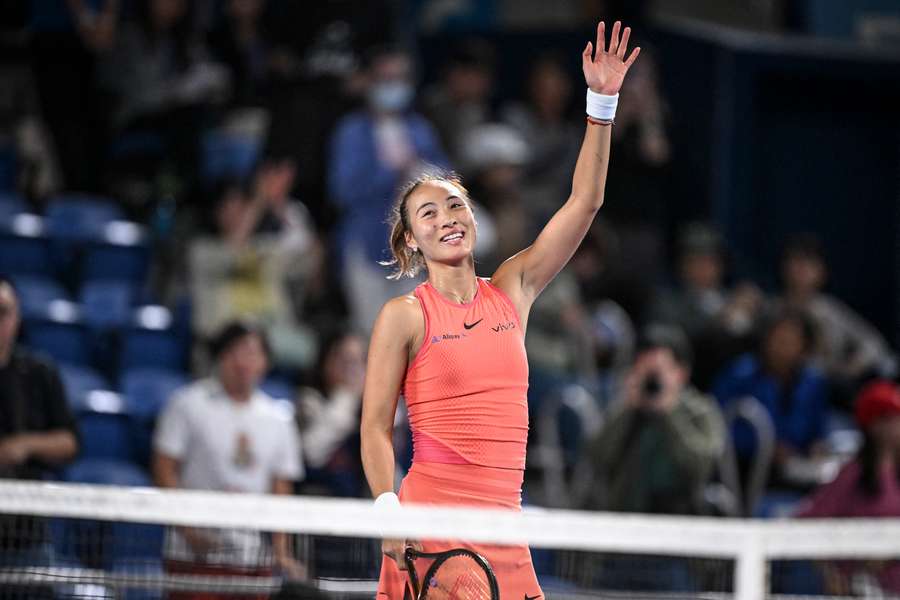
{"x": 605, "y": 69}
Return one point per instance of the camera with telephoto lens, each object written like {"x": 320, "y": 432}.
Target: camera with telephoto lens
{"x": 651, "y": 387}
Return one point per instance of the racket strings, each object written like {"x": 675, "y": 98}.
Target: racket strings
{"x": 459, "y": 578}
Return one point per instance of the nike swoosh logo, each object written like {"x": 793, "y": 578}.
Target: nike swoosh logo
{"x": 527, "y": 597}
{"x": 471, "y": 325}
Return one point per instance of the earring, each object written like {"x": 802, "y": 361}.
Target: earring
{"x": 414, "y": 249}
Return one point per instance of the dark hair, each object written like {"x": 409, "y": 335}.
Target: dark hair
{"x": 473, "y": 53}
{"x": 407, "y": 263}
{"x": 669, "y": 337}
{"x": 700, "y": 238}
{"x": 232, "y": 333}
{"x": 372, "y": 55}
{"x": 182, "y": 30}
{"x": 215, "y": 197}
{"x": 869, "y": 469}
{"x": 803, "y": 245}
{"x": 797, "y": 317}
{"x": 331, "y": 340}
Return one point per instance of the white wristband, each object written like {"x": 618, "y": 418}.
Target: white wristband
{"x": 387, "y": 500}
{"x": 601, "y": 106}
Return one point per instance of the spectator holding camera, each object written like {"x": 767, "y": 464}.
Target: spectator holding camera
{"x": 659, "y": 446}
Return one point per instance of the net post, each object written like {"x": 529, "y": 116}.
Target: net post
{"x": 751, "y": 575}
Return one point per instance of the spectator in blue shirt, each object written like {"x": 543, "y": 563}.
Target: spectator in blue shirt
{"x": 372, "y": 152}
{"x": 780, "y": 376}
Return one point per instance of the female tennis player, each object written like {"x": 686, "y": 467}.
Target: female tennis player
{"x": 455, "y": 347}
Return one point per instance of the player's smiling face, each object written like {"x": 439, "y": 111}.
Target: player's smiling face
{"x": 441, "y": 222}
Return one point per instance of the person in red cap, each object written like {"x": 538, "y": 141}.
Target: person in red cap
{"x": 869, "y": 485}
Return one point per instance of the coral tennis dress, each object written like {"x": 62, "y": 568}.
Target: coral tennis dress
{"x": 466, "y": 395}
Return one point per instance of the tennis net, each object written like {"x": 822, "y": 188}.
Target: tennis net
{"x": 89, "y": 541}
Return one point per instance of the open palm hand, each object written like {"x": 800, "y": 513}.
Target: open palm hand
{"x": 604, "y": 71}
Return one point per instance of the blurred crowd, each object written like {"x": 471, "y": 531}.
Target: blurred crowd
{"x": 259, "y": 144}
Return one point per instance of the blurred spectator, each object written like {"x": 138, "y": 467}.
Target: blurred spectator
{"x": 868, "y": 486}
{"x": 461, "y": 101}
{"x": 37, "y": 435}
{"x": 603, "y": 285}
{"x": 494, "y": 155}
{"x": 552, "y": 137}
{"x": 656, "y": 453}
{"x": 223, "y": 433}
{"x": 657, "y": 450}
{"x": 613, "y": 340}
{"x": 65, "y": 38}
{"x": 329, "y": 414}
{"x": 372, "y": 153}
{"x": 570, "y": 340}
{"x": 638, "y": 186}
{"x": 781, "y": 376}
{"x": 576, "y": 330}
{"x": 559, "y": 340}
{"x": 238, "y": 42}
{"x": 719, "y": 323}
{"x": 316, "y": 79}
{"x": 162, "y": 79}
{"x": 257, "y": 264}
{"x": 849, "y": 348}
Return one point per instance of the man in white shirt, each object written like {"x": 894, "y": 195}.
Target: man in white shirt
{"x": 223, "y": 433}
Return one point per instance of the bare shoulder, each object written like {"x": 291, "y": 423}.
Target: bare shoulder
{"x": 402, "y": 307}
{"x": 401, "y": 314}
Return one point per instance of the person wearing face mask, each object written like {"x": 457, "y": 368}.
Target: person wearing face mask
{"x": 455, "y": 347}
{"x": 372, "y": 152}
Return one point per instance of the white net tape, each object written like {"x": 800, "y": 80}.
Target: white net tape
{"x": 752, "y": 544}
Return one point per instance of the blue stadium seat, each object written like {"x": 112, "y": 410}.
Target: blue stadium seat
{"x": 279, "y": 389}
{"x": 157, "y": 348}
{"x": 78, "y": 381}
{"x": 9, "y": 164}
{"x": 123, "y": 262}
{"x": 27, "y": 254}
{"x": 106, "y": 427}
{"x": 148, "y": 389}
{"x": 106, "y": 304}
{"x": 109, "y": 545}
{"x": 66, "y": 341}
{"x": 228, "y": 155}
{"x": 36, "y": 293}
{"x": 121, "y": 253}
{"x": 10, "y": 204}
{"x": 79, "y": 218}
{"x": 106, "y": 472}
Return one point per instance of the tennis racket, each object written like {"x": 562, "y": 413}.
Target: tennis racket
{"x": 456, "y": 574}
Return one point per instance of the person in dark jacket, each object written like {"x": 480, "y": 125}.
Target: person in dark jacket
{"x": 37, "y": 435}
